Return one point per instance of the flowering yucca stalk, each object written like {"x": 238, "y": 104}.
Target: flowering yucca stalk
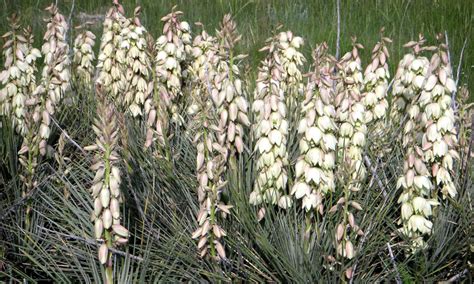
{"x": 111, "y": 74}
{"x": 211, "y": 156}
{"x": 291, "y": 60}
{"x": 402, "y": 91}
{"x": 271, "y": 130}
{"x": 55, "y": 50}
{"x": 173, "y": 48}
{"x": 416, "y": 208}
{"x": 316, "y": 163}
{"x": 352, "y": 139}
{"x": 135, "y": 59}
{"x": 56, "y": 74}
{"x": 229, "y": 97}
{"x": 172, "y": 51}
{"x": 440, "y": 141}
{"x": 376, "y": 78}
{"x": 83, "y": 59}
{"x": 18, "y": 76}
{"x": 29, "y": 151}
{"x": 105, "y": 188}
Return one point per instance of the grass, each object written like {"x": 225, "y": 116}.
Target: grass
{"x": 315, "y": 21}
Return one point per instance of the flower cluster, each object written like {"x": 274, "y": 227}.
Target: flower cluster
{"x": 376, "y": 78}
{"x": 211, "y": 156}
{"x": 133, "y": 56}
{"x": 56, "y": 74}
{"x": 402, "y": 92}
{"x": 111, "y": 75}
{"x": 351, "y": 117}
{"x": 18, "y": 76}
{"x": 83, "y": 59}
{"x": 271, "y": 130}
{"x": 352, "y": 139}
{"x": 105, "y": 187}
{"x": 229, "y": 95}
{"x": 416, "y": 208}
{"x": 172, "y": 49}
{"x": 439, "y": 141}
{"x": 317, "y": 161}
{"x": 291, "y": 60}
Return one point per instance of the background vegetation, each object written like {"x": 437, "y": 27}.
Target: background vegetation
{"x": 314, "y": 20}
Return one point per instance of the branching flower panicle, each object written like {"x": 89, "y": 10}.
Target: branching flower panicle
{"x": 440, "y": 141}
{"x": 292, "y": 61}
{"x": 173, "y": 49}
{"x": 402, "y": 91}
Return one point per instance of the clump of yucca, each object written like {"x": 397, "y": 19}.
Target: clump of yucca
{"x": 83, "y": 60}
{"x": 56, "y": 74}
{"x": 18, "y": 76}
{"x": 105, "y": 187}
{"x": 211, "y": 156}
{"x": 111, "y": 75}
{"x": 133, "y": 55}
{"x": 376, "y": 78}
{"x": 352, "y": 139}
{"x": 271, "y": 130}
{"x": 228, "y": 92}
{"x": 317, "y": 147}
{"x": 416, "y": 208}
